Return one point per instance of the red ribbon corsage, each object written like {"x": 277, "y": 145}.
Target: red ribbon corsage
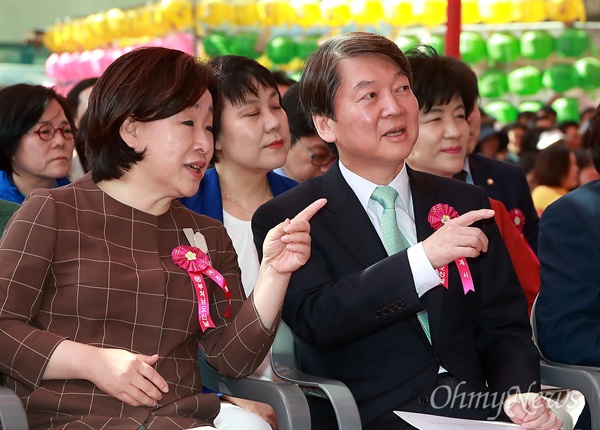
{"x": 438, "y": 216}
{"x": 197, "y": 264}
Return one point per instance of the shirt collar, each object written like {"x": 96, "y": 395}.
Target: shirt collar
{"x": 364, "y": 188}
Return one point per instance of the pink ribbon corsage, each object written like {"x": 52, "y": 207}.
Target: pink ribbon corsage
{"x": 438, "y": 216}
{"x": 197, "y": 263}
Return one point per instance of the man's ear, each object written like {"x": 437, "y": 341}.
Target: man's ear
{"x": 324, "y": 129}
{"x": 128, "y": 132}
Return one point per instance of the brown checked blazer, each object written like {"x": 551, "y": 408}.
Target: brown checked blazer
{"x": 76, "y": 264}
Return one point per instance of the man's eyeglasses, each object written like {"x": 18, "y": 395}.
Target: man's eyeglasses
{"x": 317, "y": 159}
{"x": 47, "y": 132}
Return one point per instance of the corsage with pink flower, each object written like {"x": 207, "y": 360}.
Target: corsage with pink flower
{"x": 197, "y": 263}
{"x": 438, "y": 216}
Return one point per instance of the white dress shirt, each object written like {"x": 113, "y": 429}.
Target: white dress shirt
{"x": 425, "y": 276}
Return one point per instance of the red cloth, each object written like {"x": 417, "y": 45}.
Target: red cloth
{"x": 524, "y": 261}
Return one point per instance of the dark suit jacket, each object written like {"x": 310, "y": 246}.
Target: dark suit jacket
{"x": 568, "y": 307}
{"x": 507, "y": 182}
{"x": 353, "y": 308}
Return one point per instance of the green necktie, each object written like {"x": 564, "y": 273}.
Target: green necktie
{"x": 393, "y": 239}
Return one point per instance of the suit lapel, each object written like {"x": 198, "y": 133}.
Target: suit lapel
{"x": 425, "y": 194}
{"x": 348, "y": 220}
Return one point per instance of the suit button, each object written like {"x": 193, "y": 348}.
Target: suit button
{"x": 439, "y": 359}
{"x": 393, "y": 307}
{"x": 423, "y": 400}
{"x": 400, "y": 304}
{"x": 385, "y": 311}
{"x": 377, "y": 313}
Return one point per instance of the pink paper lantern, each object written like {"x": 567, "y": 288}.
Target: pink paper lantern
{"x": 51, "y": 66}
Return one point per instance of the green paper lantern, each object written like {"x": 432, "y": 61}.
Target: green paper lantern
{"x": 216, "y": 44}
{"x": 567, "y": 109}
{"x": 307, "y": 46}
{"x": 493, "y": 83}
{"x": 407, "y": 42}
{"x": 281, "y": 49}
{"x": 588, "y": 72}
{"x": 503, "y": 47}
{"x": 244, "y": 44}
{"x": 437, "y": 43}
{"x": 536, "y": 44}
{"x": 530, "y": 106}
{"x": 502, "y": 111}
{"x": 525, "y": 80}
{"x": 560, "y": 77}
{"x": 573, "y": 42}
{"x": 473, "y": 48}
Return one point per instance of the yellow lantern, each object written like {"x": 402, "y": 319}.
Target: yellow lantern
{"x": 214, "y": 13}
{"x": 430, "y": 13}
{"x": 245, "y": 13}
{"x": 275, "y": 13}
{"x": 142, "y": 21}
{"x": 98, "y": 26}
{"x": 565, "y": 10}
{"x": 399, "y": 12}
{"x": 367, "y": 12}
{"x": 469, "y": 13}
{"x": 52, "y": 38}
{"x": 529, "y": 10}
{"x": 68, "y": 43}
{"x": 307, "y": 12}
{"x": 496, "y": 11}
{"x": 177, "y": 13}
{"x": 79, "y": 35}
{"x": 87, "y": 38}
{"x": 161, "y": 22}
{"x": 336, "y": 13}
{"x": 116, "y": 23}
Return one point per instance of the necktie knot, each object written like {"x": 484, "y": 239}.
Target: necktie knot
{"x": 385, "y": 196}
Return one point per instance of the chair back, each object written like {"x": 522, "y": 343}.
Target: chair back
{"x": 585, "y": 379}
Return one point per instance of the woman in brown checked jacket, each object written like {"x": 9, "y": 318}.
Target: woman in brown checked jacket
{"x": 99, "y": 316}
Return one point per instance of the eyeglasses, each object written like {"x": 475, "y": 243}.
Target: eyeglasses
{"x": 317, "y": 159}
{"x": 47, "y": 132}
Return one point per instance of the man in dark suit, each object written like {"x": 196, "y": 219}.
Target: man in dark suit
{"x": 357, "y": 306}
{"x": 569, "y": 301}
{"x": 505, "y": 182}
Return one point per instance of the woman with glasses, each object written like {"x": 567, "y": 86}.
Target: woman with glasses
{"x": 309, "y": 155}
{"x": 36, "y": 140}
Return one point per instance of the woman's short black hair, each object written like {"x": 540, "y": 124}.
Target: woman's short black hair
{"x": 21, "y": 107}
{"x": 437, "y": 79}
{"x": 73, "y": 94}
{"x": 146, "y": 84}
{"x": 238, "y": 77}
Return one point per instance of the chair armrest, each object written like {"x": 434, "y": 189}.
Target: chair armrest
{"x": 284, "y": 366}
{"x": 581, "y": 378}
{"x": 12, "y": 413}
{"x": 288, "y": 401}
